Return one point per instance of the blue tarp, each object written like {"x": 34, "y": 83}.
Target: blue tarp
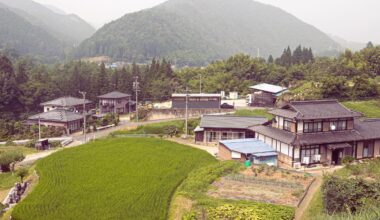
{"x": 250, "y": 146}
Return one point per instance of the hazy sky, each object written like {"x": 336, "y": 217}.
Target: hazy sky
{"x": 354, "y": 20}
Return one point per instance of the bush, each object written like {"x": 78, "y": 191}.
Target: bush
{"x": 348, "y": 160}
{"x": 255, "y": 211}
{"x": 348, "y": 194}
{"x": 22, "y": 173}
{"x": 8, "y": 157}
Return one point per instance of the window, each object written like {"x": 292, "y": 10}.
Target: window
{"x": 287, "y": 125}
{"x": 368, "y": 149}
{"x": 310, "y": 154}
{"x": 338, "y": 125}
{"x": 212, "y": 136}
{"x": 311, "y": 127}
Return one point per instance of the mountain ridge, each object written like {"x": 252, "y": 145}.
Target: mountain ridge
{"x": 195, "y": 32}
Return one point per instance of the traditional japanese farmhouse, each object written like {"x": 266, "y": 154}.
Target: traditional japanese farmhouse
{"x": 254, "y": 150}
{"x": 60, "y": 118}
{"x": 265, "y": 94}
{"x": 115, "y": 102}
{"x": 196, "y": 101}
{"x": 319, "y": 132}
{"x": 71, "y": 103}
{"x": 214, "y": 128}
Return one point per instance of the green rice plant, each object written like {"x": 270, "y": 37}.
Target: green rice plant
{"x": 116, "y": 178}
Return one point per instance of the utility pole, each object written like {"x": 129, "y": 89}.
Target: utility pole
{"x": 136, "y": 87}
{"x": 187, "y": 112}
{"x": 39, "y": 127}
{"x": 84, "y": 114}
{"x": 200, "y": 83}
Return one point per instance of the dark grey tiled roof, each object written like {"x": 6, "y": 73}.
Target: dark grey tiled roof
{"x": 321, "y": 109}
{"x": 328, "y": 137}
{"x": 114, "y": 95}
{"x": 66, "y": 101}
{"x": 368, "y": 129}
{"x": 283, "y": 113}
{"x": 278, "y": 134}
{"x": 58, "y": 115}
{"x": 227, "y": 121}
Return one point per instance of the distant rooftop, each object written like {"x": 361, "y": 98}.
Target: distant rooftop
{"x": 250, "y": 146}
{"x": 58, "y": 115}
{"x": 269, "y": 88}
{"x": 114, "y": 95}
{"x": 320, "y": 109}
{"x": 66, "y": 101}
{"x": 197, "y": 95}
{"x": 228, "y": 121}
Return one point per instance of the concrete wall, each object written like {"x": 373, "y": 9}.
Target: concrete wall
{"x": 159, "y": 114}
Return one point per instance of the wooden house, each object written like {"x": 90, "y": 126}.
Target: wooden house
{"x": 70, "y": 103}
{"x": 116, "y": 102}
{"x": 308, "y": 133}
{"x": 265, "y": 95}
{"x": 214, "y": 128}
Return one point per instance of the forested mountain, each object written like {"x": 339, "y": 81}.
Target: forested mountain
{"x": 194, "y": 32}
{"x": 68, "y": 28}
{"x": 18, "y": 34}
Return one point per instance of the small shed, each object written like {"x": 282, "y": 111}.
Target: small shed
{"x": 254, "y": 150}
{"x": 42, "y": 144}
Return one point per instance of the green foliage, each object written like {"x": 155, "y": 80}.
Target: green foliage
{"x": 8, "y": 157}
{"x": 147, "y": 34}
{"x": 348, "y": 160}
{"x": 107, "y": 176}
{"x": 254, "y": 113}
{"x": 370, "y": 108}
{"x": 255, "y": 211}
{"x": 199, "y": 180}
{"x": 22, "y": 173}
{"x": 163, "y": 128}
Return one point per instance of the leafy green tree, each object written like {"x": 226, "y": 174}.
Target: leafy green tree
{"x": 22, "y": 173}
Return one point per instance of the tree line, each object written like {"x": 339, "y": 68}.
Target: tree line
{"x": 25, "y": 83}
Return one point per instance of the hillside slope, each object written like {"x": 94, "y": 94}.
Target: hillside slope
{"x": 194, "y": 32}
{"x": 70, "y": 28}
{"x": 18, "y": 34}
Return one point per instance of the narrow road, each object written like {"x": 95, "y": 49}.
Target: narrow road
{"x": 309, "y": 196}
{"x": 80, "y": 139}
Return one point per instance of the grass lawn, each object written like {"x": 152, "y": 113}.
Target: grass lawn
{"x": 160, "y": 128}
{"x": 370, "y": 109}
{"x": 114, "y": 178}
{"x": 254, "y": 113}
{"x": 24, "y": 150}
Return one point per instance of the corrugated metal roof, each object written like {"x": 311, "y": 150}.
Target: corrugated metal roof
{"x": 66, "y": 101}
{"x": 195, "y": 95}
{"x": 58, "y": 115}
{"x": 249, "y": 146}
{"x": 228, "y": 121}
{"x": 269, "y": 88}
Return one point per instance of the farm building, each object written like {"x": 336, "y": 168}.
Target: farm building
{"x": 59, "y": 118}
{"x": 116, "y": 102}
{"x": 254, "y": 150}
{"x": 265, "y": 94}
{"x": 196, "y": 101}
{"x": 71, "y": 103}
{"x": 319, "y": 132}
{"x": 226, "y": 127}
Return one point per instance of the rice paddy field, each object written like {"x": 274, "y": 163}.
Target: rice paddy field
{"x": 114, "y": 178}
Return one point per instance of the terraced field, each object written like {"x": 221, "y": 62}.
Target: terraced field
{"x": 110, "y": 179}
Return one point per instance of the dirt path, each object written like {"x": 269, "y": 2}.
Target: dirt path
{"x": 305, "y": 203}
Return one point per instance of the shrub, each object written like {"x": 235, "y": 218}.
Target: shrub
{"x": 348, "y": 160}
{"x": 22, "y": 173}
{"x": 8, "y": 157}
{"x": 255, "y": 211}
{"x": 348, "y": 194}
